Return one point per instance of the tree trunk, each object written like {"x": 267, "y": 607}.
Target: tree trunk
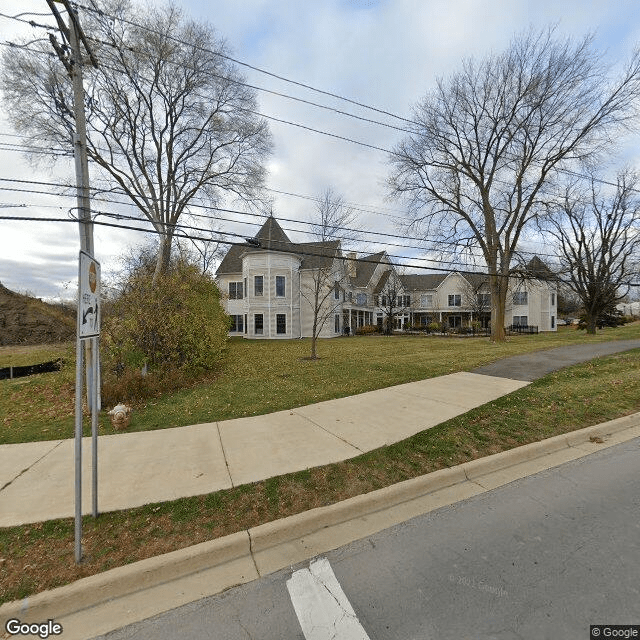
{"x": 164, "y": 258}
{"x": 498, "y": 286}
{"x": 592, "y": 321}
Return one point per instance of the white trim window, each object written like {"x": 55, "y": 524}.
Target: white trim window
{"x": 484, "y": 300}
{"x": 237, "y": 324}
{"x": 235, "y": 291}
{"x": 455, "y": 300}
{"x": 258, "y": 285}
{"x": 520, "y": 321}
{"x": 281, "y": 286}
{"x": 281, "y": 323}
{"x": 258, "y": 324}
{"x": 520, "y": 297}
{"x": 426, "y": 301}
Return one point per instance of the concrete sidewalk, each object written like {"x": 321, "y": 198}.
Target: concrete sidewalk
{"x": 37, "y": 478}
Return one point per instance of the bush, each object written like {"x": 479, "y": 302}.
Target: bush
{"x": 175, "y": 330}
{"x": 434, "y": 327}
{"x": 367, "y": 329}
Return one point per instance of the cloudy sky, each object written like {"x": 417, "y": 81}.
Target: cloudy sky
{"x": 385, "y": 53}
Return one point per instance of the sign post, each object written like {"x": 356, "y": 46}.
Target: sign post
{"x": 88, "y": 331}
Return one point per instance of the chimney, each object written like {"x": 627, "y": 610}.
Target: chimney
{"x": 351, "y": 264}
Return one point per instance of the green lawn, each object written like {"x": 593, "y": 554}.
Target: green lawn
{"x": 40, "y": 556}
{"x": 263, "y": 376}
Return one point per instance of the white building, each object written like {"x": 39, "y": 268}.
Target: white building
{"x": 268, "y": 290}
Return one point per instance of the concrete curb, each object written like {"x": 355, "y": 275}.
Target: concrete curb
{"x": 279, "y": 535}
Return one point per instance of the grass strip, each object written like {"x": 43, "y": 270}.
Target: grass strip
{"x": 40, "y": 556}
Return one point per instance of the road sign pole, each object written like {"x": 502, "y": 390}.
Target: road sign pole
{"x": 95, "y": 409}
{"x": 78, "y": 450}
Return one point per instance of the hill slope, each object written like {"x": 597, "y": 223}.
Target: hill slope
{"x": 26, "y": 320}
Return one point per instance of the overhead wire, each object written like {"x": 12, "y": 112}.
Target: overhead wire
{"x": 459, "y": 247}
{"x": 299, "y": 125}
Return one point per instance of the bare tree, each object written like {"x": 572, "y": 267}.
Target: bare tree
{"x": 598, "y": 239}
{"x": 489, "y": 140}
{"x": 334, "y": 219}
{"x": 168, "y": 117}
{"x": 204, "y": 246}
{"x": 477, "y": 297}
{"x": 323, "y": 272}
{"x": 392, "y": 299}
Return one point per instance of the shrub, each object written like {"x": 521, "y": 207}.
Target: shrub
{"x": 175, "y": 330}
{"x": 367, "y": 329}
{"x": 434, "y": 327}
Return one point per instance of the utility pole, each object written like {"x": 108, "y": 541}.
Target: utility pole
{"x": 87, "y": 343}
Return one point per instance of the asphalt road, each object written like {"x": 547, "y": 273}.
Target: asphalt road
{"x": 544, "y": 557}
{"x": 531, "y": 366}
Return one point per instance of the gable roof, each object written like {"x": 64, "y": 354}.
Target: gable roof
{"x": 538, "y": 269}
{"x": 365, "y": 267}
{"x": 423, "y": 281}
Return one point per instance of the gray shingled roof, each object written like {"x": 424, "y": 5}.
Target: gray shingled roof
{"x": 327, "y": 252}
{"x": 271, "y": 236}
{"x": 365, "y": 267}
{"x": 422, "y": 282}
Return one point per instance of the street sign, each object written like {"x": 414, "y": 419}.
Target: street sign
{"x": 89, "y": 309}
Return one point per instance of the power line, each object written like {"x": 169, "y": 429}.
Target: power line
{"x": 289, "y": 250}
{"x": 437, "y": 243}
{"x": 249, "y": 66}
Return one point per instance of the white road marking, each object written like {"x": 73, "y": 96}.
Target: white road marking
{"x": 322, "y": 608}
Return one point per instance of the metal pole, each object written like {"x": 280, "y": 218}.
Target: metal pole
{"x": 78, "y": 450}
{"x": 80, "y": 144}
{"x": 86, "y": 244}
{"x": 95, "y": 409}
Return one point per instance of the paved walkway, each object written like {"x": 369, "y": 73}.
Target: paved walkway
{"x": 37, "y": 479}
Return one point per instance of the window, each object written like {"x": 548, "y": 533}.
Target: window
{"x": 520, "y": 297}
{"x": 361, "y": 299}
{"x": 336, "y": 291}
{"x": 455, "y": 321}
{"x": 281, "y": 323}
{"x": 455, "y": 300}
{"x": 553, "y": 299}
{"x": 484, "y": 300}
{"x": 258, "y": 285}
{"x": 280, "y": 287}
{"x": 237, "y": 324}
{"x": 336, "y": 323}
{"x": 520, "y": 321}
{"x": 553, "y": 321}
{"x": 245, "y": 323}
{"x": 426, "y": 301}
{"x": 235, "y": 291}
{"x": 404, "y": 301}
{"x": 258, "y": 324}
